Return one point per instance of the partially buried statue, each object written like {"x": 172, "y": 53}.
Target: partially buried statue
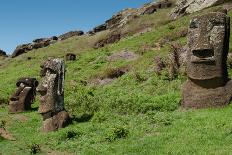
{"x": 24, "y": 96}
{"x": 52, "y": 95}
{"x": 208, "y": 84}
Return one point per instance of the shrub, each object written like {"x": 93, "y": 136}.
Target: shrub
{"x": 117, "y": 133}
{"x": 35, "y": 148}
{"x": 3, "y": 124}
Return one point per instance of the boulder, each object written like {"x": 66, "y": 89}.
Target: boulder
{"x": 3, "y": 53}
{"x": 99, "y": 28}
{"x": 112, "y": 38}
{"x": 70, "y": 57}
{"x": 70, "y": 34}
{"x": 21, "y": 49}
{"x": 184, "y": 7}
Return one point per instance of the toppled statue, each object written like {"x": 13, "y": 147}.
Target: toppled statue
{"x": 24, "y": 96}
{"x": 208, "y": 84}
{"x": 52, "y": 95}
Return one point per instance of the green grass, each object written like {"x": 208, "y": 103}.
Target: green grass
{"x": 138, "y": 113}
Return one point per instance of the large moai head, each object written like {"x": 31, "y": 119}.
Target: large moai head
{"x": 208, "y": 42}
{"x": 24, "y": 95}
{"x": 51, "y": 89}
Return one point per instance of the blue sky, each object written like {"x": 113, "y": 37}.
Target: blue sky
{"x": 21, "y": 21}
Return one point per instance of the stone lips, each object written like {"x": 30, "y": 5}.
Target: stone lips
{"x": 208, "y": 84}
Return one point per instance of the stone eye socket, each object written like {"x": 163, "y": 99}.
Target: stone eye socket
{"x": 193, "y": 25}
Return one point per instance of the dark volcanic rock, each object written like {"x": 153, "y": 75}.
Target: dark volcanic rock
{"x": 70, "y": 57}
{"x": 70, "y": 34}
{"x": 37, "y": 43}
{"x": 99, "y": 28}
{"x": 21, "y": 49}
{"x": 112, "y": 38}
{"x": 3, "y": 53}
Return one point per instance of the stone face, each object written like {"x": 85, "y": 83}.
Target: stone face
{"x": 24, "y": 95}
{"x": 184, "y": 7}
{"x": 52, "y": 95}
{"x": 208, "y": 84}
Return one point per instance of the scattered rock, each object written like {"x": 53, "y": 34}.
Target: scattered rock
{"x": 123, "y": 55}
{"x": 6, "y": 135}
{"x": 37, "y": 43}
{"x": 110, "y": 39}
{"x": 70, "y": 57}
{"x": 184, "y": 7}
{"x": 123, "y": 17}
{"x": 70, "y": 34}
{"x": 99, "y": 28}
{"x": 2, "y": 53}
{"x": 109, "y": 76}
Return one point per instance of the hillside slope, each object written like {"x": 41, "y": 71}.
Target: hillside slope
{"x": 136, "y": 112}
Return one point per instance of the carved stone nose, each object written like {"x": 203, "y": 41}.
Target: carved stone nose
{"x": 41, "y": 89}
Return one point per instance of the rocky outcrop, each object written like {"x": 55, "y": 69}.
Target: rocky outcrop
{"x": 43, "y": 42}
{"x": 70, "y": 34}
{"x": 110, "y": 39}
{"x": 123, "y": 17}
{"x": 36, "y": 44}
{"x": 184, "y": 7}
{"x": 2, "y": 53}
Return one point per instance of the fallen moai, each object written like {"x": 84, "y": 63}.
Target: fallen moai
{"x": 51, "y": 89}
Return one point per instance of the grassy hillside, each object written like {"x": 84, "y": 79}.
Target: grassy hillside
{"x": 138, "y": 113}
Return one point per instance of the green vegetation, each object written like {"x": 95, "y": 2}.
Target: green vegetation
{"x": 138, "y": 113}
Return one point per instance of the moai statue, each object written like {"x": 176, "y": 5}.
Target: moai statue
{"x": 24, "y": 96}
{"x": 208, "y": 84}
{"x": 51, "y": 89}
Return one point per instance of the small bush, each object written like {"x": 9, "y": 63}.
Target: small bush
{"x": 69, "y": 135}
{"x": 35, "y": 148}
{"x": 117, "y": 133}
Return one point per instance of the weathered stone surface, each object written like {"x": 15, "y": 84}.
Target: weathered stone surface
{"x": 70, "y": 34}
{"x": 110, "y": 39}
{"x": 99, "y": 28}
{"x": 125, "y": 16}
{"x": 24, "y": 96}
{"x": 123, "y": 55}
{"x": 70, "y": 57}
{"x": 184, "y": 7}
{"x": 52, "y": 95}
{"x": 37, "y": 43}
{"x": 208, "y": 84}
